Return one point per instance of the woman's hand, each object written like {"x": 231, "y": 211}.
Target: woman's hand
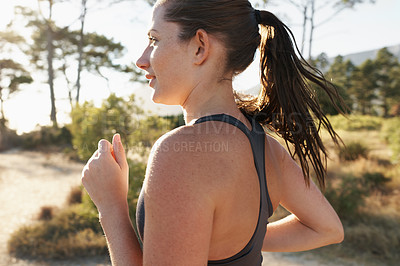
{"x": 105, "y": 176}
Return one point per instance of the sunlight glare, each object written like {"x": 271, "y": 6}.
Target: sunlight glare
{"x": 6, "y": 13}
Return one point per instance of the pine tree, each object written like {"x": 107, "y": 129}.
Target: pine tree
{"x": 363, "y": 87}
{"x": 387, "y": 79}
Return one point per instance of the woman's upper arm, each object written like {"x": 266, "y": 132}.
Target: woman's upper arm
{"x": 307, "y": 203}
{"x": 179, "y": 211}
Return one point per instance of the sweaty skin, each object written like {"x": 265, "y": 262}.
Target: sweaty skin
{"x": 201, "y": 206}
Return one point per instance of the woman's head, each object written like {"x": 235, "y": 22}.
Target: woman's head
{"x": 233, "y": 22}
{"x": 287, "y": 101}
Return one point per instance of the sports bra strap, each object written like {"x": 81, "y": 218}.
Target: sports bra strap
{"x": 256, "y": 137}
{"x": 227, "y": 119}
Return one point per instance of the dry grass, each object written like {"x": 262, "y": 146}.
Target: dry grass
{"x": 371, "y": 235}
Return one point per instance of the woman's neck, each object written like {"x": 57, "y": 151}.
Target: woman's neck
{"x": 210, "y": 100}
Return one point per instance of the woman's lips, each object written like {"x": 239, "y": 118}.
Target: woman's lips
{"x": 148, "y": 76}
{"x": 152, "y": 79}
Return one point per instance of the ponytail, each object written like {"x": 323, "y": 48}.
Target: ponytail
{"x": 287, "y": 104}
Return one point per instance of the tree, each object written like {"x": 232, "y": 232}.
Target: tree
{"x": 340, "y": 74}
{"x": 43, "y": 51}
{"x": 95, "y": 52}
{"x": 309, "y": 9}
{"x": 363, "y": 87}
{"x": 322, "y": 62}
{"x": 12, "y": 74}
{"x": 80, "y": 48}
{"x": 387, "y": 66}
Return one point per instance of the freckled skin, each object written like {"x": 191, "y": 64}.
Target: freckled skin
{"x": 201, "y": 205}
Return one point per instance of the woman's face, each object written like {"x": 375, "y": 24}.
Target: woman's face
{"x": 166, "y": 61}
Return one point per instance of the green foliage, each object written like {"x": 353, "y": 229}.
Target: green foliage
{"x": 375, "y": 181}
{"x": 149, "y": 129}
{"x": 363, "y": 87}
{"x": 90, "y": 123}
{"x": 339, "y": 74}
{"x": 137, "y": 172}
{"x": 356, "y": 122}
{"x": 391, "y": 133}
{"x": 12, "y": 75}
{"x": 46, "y": 136}
{"x": 387, "y": 79}
{"x": 347, "y": 197}
{"x": 353, "y": 151}
{"x": 72, "y": 232}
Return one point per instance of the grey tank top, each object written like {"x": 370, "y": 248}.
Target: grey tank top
{"x": 251, "y": 254}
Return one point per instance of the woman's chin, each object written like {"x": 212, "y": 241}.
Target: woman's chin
{"x": 162, "y": 100}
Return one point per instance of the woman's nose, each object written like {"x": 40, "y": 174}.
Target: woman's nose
{"x": 143, "y": 62}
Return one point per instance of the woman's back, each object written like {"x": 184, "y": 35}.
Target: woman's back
{"x": 203, "y": 191}
{"x": 230, "y": 158}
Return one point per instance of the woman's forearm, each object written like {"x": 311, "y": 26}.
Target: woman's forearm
{"x": 290, "y": 235}
{"x": 121, "y": 238}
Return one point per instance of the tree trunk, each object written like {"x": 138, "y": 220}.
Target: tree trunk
{"x": 50, "y": 56}
{"x": 3, "y": 117}
{"x": 80, "y": 50}
{"x": 311, "y": 29}
{"x": 385, "y": 107}
{"x": 303, "y": 40}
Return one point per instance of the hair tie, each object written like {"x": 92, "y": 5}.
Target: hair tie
{"x": 258, "y": 16}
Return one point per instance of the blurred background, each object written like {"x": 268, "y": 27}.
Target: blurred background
{"x": 68, "y": 78}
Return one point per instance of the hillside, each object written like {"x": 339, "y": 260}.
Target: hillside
{"x": 359, "y": 58}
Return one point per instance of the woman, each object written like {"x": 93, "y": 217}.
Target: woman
{"x": 211, "y": 185}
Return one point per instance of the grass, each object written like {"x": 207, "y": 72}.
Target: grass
{"x": 365, "y": 192}
{"x": 371, "y": 227}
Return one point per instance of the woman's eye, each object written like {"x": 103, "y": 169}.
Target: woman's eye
{"x": 152, "y": 40}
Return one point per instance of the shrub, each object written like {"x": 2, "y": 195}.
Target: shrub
{"x": 75, "y": 196}
{"x": 352, "y": 151}
{"x": 46, "y": 136}
{"x": 46, "y": 213}
{"x": 8, "y": 138}
{"x": 347, "y": 197}
{"x": 375, "y": 181}
{"x": 90, "y": 124}
{"x": 137, "y": 172}
{"x": 72, "y": 232}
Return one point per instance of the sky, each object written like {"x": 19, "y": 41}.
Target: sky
{"x": 366, "y": 27}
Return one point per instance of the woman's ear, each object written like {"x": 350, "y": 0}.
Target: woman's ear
{"x": 201, "y": 46}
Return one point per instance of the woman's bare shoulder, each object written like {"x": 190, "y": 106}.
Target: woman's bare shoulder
{"x": 275, "y": 148}
{"x": 199, "y": 140}
{"x": 193, "y": 153}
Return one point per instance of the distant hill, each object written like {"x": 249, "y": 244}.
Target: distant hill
{"x": 359, "y": 58}
{"x": 356, "y": 59}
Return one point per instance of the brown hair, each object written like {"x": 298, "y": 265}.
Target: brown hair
{"x": 286, "y": 103}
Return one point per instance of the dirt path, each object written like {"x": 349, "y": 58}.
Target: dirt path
{"x": 29, "y": 180}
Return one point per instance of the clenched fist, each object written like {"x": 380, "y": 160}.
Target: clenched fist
{"x": 105, "y": 176}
